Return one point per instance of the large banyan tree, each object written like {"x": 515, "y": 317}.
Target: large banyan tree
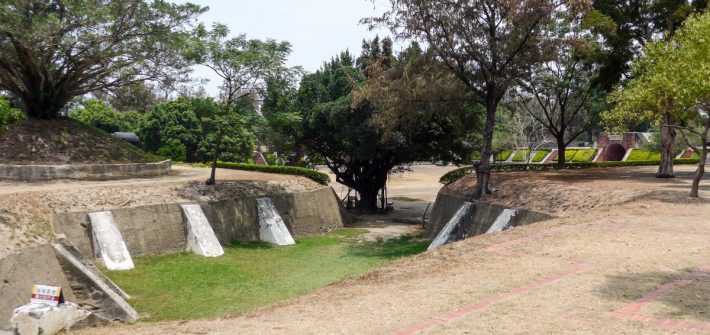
{"x": 54, "y": 50}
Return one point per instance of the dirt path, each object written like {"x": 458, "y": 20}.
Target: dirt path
{"x": 639, "y": 267}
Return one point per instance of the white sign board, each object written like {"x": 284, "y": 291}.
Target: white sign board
{"x": 49, "y": 295}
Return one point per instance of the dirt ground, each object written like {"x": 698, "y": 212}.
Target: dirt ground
{"x": 613, "y": 264}
{"x": 26, "y": 209}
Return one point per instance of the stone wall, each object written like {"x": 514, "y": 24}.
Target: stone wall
{"x": 480, "y": 220}
{"x": 84, "y": 171}
{"x": 18, "y": 272}
{"x": 159, "y": 229}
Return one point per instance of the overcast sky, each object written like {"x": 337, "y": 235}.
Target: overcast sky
{"x": 316, "y": 29}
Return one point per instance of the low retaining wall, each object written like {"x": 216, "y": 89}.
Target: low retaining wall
{"x": 159, "y": 229}
{"x": 84, "y": 171}
{"x": 479, "y": 221}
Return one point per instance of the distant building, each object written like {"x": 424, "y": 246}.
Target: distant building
{"x": 613, "y": 147}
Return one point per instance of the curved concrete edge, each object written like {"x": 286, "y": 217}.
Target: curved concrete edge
{"x": 84, "y": 171}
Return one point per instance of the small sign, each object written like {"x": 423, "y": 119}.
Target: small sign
{"x": 49, "y": 295}
{"x": 615, "y": 137}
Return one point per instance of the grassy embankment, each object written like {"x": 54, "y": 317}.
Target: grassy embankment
{"x": 186, "y": 286}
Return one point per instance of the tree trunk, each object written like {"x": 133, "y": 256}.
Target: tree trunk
{"x": 668, "y": 134}
{"x": 215, "y": 158}
{"x": 698, "y": 174}
{"x": 561, "y": 156}
{"x": 299, "y": 153}
{"x": 483, "y": 171}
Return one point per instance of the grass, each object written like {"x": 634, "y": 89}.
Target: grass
{"x": 521, "y": 155}
{"x": 186, "y": 286}
{"x": 540, "y": 155}
{"x": 503, "y": 155}
{"x": 643, "y": 155}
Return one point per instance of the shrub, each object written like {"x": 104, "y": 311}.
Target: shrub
{"x": 521, "y": 155}
{"x": 584, "y": 155}
{"x": 569, "y": 153}
{"x": 8, "y": 114}
{"x": 459, "y": 173}
{"x": 316, "y": 176}
{"x": 503, "y": 155}
{"x": 643, "y": 155}
{"x": 539, "y": 155}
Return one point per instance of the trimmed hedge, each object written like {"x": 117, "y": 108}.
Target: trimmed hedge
{"x": 457, "y": 174}
{"x": 503, "y": 155}
{"x": 318, "y": 177}
{"x": 539, "y": 155}
{"x": 521, "y": 155}
{"x": 643, "y": 155}
{"x": 584, "y": 155}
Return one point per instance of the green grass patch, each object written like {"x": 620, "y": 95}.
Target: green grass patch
{"x": 503, "y": 155}
{"x": 521, "y": 155}
{"x": 584, "y": 155}
{"x": 186, "y": 286}
{"x": 539, "y": 155}
{"x": 569, "y": 153}
{"x": 643, "y": 155}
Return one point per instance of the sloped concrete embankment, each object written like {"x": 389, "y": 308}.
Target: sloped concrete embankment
{"x": 84, "y": 171}
{"x": 480, "y": 219}
{"x": 147, "y": 230}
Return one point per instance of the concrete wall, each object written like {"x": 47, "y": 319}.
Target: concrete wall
{"x": 18, "y": 272}
{"x": 483, "y": 216}
{"x": 84, "y": 171}
{"x": 160, "y": 229}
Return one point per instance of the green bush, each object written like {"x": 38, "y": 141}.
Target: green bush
{"x": 643, "y": 155}
{"x": 539, "y": 155}
{"x": 8, "y": 114}
{"x": 503, "y": 155}
{"x": 459, "y": 173}
{"x": 521, "y": 155}
{"x": 584, "y": 155}
{"x": 316, "y": 176}
{"x": 569, "y": 153}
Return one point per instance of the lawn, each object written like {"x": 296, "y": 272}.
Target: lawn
{"x": 186, "y": 286}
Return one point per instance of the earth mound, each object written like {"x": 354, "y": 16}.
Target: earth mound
{"x": 65, "y": 141}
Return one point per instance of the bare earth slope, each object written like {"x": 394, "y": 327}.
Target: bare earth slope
{"x": 640, "y": 266}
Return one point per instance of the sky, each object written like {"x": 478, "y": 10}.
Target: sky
{"x": 316, "y": 29}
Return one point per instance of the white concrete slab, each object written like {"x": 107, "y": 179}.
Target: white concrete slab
{"x": 502, "y": 221}
{"x": 272, "y": 228}
{"x": 108, "y": 242}
{"x": 445, "y": 234}
{"x": 200, "y": 236}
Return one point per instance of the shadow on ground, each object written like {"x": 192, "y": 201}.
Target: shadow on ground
{"x": 689, "y": 300}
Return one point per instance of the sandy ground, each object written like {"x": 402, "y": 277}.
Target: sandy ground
{"x": 26, "y": 209}
{"x": 641, "y": 266}
{"x": 420, "y": 183}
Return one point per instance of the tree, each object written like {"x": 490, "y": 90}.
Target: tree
{"x": 242, "y": 65}
{"x": 282, "y": 117}
{"x": 172, "y": 129}
{"x": 98, "y": 114}
{"x": 626, "y": 28}
{"x": 487, "y": 44}
{"x": 138, "y": 97}
{"x": 673, "y": 80}
{"x": 54, "y": 50}
{"x": 559, "y": 93}
{"x": 367, "y": 123}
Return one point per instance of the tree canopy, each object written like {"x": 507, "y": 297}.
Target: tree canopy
{"x": 52, "y": 51}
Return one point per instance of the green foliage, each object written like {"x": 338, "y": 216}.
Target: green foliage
{"x": 539, "y": 155}
{"x": 53, "y": 51}
{"x": 643, "y": 155}
{"x": 316, "y": 176}
{"x": 569, "y": 153}
{"x": 251, "y": 275}
{"x": 98, "y": 114}
{"x": 503, "y": 155}
{"x": 583, "y": 155}
{"x": 521, "y": 155}
{"x": 459, "y": 173}
{"x": 8, "y": 114}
